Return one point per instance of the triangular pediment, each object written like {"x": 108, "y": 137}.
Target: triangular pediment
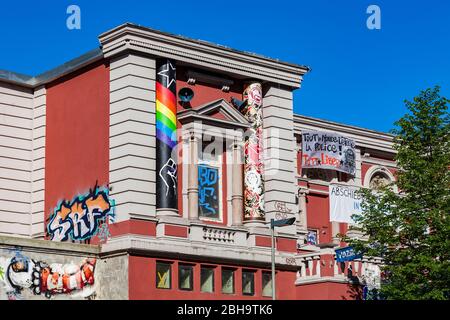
{"x": 219, "y": 111}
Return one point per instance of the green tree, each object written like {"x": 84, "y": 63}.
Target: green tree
{"x": 410, "y": 228}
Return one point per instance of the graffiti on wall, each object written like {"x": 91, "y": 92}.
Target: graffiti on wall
{"x": 166, "y": 135}
{"x": 253, "y": 154}
{"x": 82, "y": 217}
{"x": 208, "y": 191}
{"x": 22, "y": 273}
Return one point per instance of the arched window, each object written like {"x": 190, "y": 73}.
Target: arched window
{"x": 377, "y": 177}
{"x": 378, "y": 180}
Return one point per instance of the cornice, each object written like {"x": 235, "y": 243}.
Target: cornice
{"x": 200, "y": 54}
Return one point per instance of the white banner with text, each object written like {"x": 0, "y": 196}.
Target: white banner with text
{"x": 344, "y": 202}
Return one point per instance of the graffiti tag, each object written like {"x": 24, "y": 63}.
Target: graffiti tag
{"x": 21, "y": 272}
{"x": 282, "y": 207}
{"x": 208, "y": 188}
{"x": 291, "y": 261}
{"x": 103, "y": 232}
{"x": 79, "y": 219}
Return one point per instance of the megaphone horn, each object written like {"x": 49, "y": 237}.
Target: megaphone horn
{"x": 185, "y": 95}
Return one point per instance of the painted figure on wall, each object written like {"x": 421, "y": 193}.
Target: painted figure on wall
{"x": 166, "y": 135}
{"x": 21, "y": 272}
{"x": 253, "y": 155}
{"x": 81, "y": 218}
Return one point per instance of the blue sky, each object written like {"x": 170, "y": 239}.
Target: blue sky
{"x": 359, "y": 76}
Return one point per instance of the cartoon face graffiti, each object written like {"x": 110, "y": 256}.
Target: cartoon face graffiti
{"x": 253, "y": 94}
{"x": 19, "y": 272}
{"x": 350, "y": 159}
{"x": 41, "y": 278}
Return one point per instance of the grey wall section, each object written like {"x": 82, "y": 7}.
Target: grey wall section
{"x": 132, "y": 136}
{"x": 16, "y": 123}
{"x": 279, "y": 151}
{"x": 112, "y": 278}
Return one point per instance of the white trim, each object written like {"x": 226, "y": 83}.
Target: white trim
{"x": 375, "y": 169}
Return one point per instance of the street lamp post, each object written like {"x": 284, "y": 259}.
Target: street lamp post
{"x": 273, "y": 224}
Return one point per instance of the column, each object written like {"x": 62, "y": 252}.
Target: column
{"x": 132, "y": 142}
{"x": 193, "y": 177}
{"x": 302, "y": 221}
{"x": 166, "y": 139}
{"x": 334, "y": 232}
{"x": 237, "y": 190}
{"x": 253, "y": 157}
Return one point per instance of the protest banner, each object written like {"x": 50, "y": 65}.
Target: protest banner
{"x": 328, "y": 150}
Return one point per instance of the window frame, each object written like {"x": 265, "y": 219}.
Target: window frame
{"x": 213, "y": 269}
{"x": 269, "y": 273}
{"x": 253, "y": 273}
{"x": 233, "y": 275}
{"x": 169, "y": 264}
{"x": 191, "y": 280}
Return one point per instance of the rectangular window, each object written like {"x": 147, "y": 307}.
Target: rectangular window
{"x": 312, "y": 237}
{"x": 228, "y": 281}
{"x": 207, "y": 279}
{"x": 267, "y": 284}
{"x": 209, "y": 191}
{"x": 185, "y": 277}
{"x": 163, "y": 275}
{"x": 248, "y": 283}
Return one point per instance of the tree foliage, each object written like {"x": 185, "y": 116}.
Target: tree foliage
{"x": 410, "y": 228}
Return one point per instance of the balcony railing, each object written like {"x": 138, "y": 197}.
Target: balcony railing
{"x": 218, "y": 235}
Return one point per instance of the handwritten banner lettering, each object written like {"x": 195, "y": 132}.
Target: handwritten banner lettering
{"x": 327, "y": 150}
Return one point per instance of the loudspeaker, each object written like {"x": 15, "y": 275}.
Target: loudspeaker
{"x": 185, "y": 95}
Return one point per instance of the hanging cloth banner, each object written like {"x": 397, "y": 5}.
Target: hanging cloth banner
{"x": 166, "y": 135}
{"x": 347, "y": 254}
{"x": 344, "y": 202}
{"x": 328, "y": 150}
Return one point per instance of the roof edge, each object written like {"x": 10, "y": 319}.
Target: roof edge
{"x": 52, "y": 74}
{"x": 203, "y": 42}
{"x": 354, "y": 129}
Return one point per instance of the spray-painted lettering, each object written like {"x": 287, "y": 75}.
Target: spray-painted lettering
{"x": 208, "y": 188}
{"x": 80, "y": 218}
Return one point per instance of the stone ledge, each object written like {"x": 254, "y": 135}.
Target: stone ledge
{"x": 314, "y": 280}
{"x": 48, "y": 246}
{"x": 185, "y": 249}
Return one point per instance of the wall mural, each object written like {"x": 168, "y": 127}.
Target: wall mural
{"x": 166, "y": 135}
{"x": 82, "y": 217}
{"x": 19, "y": 273}
{"x": 208, "y": 191}
{"x": 253, "y": 154}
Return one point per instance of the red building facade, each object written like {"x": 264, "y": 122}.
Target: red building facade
{"x": 80, "y": 177}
